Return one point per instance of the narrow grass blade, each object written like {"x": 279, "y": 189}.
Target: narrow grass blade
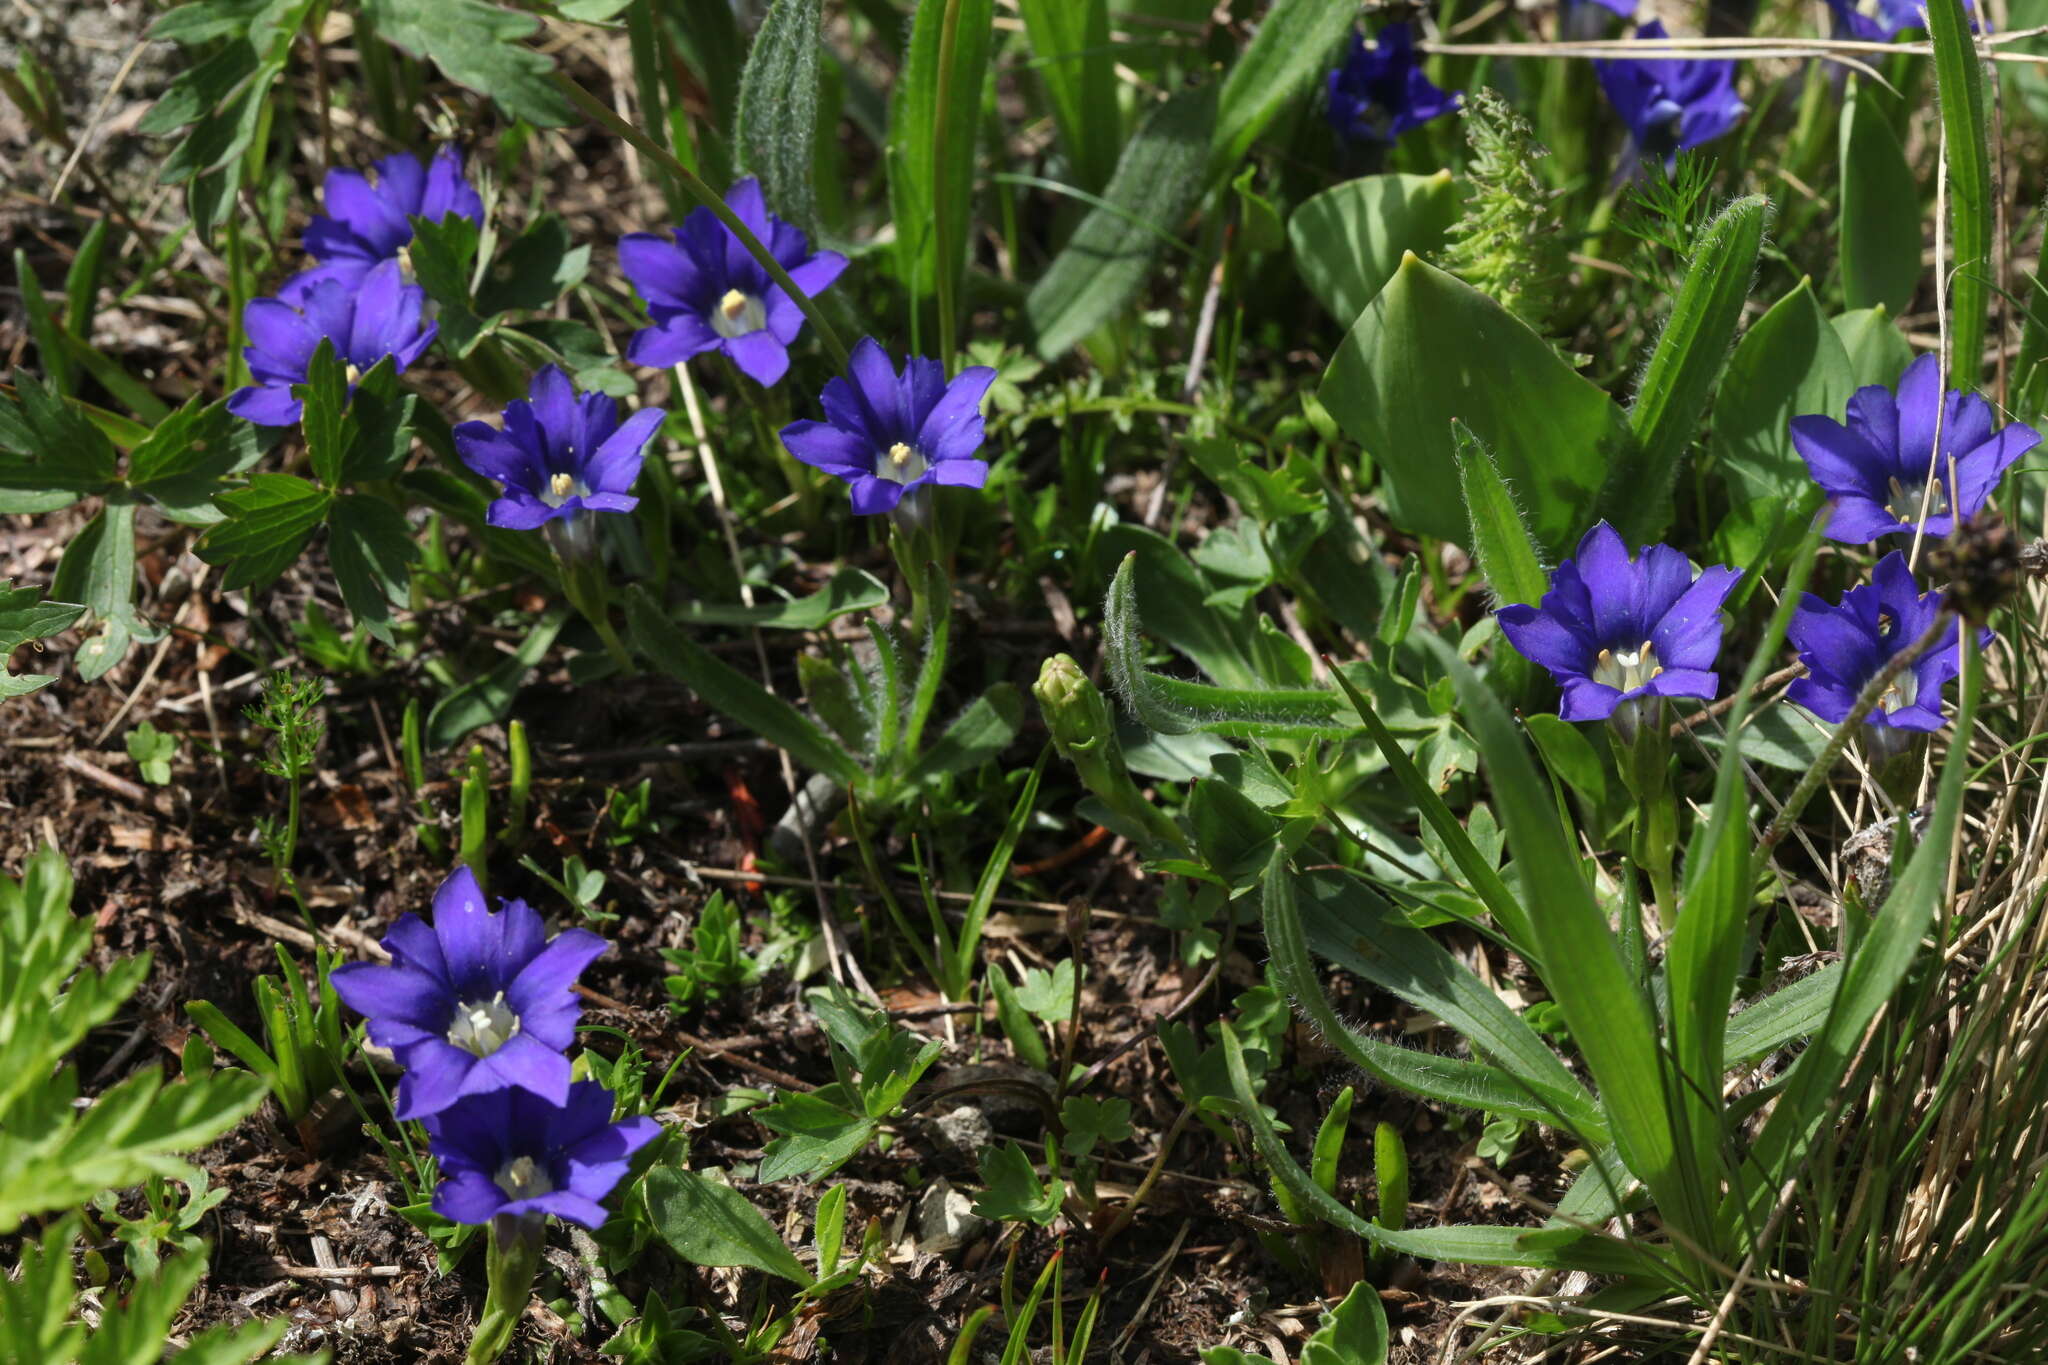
{"x": 932, "y": 122}
{"x": 1289, "y": 51}
{"x": 1610, "y": 1018}
{"x": 1070, "y": 39}
{"x": 1508, "y": 557}
{"x": 1959, "y": 89}
{"x": 1684, "y": 366}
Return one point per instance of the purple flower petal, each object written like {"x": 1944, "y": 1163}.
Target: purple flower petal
{"x": 760, "y": 356}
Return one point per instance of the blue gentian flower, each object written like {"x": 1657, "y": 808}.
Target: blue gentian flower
{"x": 382, "y": 316}
{"x": 1670, "y": 103}
{"x": 369, "y": 222}
{"x": 1875, "y": 468}
{"x": 886, "y": 433}
{"x": 706, "y": 292}
{"x": 476, "y": 1003}
{"x": 1844, "y": 647}
{"x": 1880, "y": 21}
{"x": 560, "y": 453}
{"x": 1613, "y": 629}
{"x": 511, "y": 1153}
{"x": 1380, "y": 91}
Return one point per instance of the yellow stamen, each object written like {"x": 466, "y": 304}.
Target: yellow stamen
{"x": 732, "y": 305}
{"x": 899, "y": 454}
{"x": 353, "y": 374}
{"x": 561, "y": 484}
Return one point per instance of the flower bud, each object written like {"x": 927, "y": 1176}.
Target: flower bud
{"x": 1074, "y": 708}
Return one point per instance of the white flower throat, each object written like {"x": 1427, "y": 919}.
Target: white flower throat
{"x": 1906, "y": 498}
{"x": 902, "y": 464}
{"x": 523, "y": 1178}
{"x": 483, "y": 1026}
{"x": 1627, "y": 669}
{"x": 738, "y": 314}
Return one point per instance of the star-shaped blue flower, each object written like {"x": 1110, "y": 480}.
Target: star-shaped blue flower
{"x": 381, "y": 316}
{"x": 368, "y": 222}
{"x": 560, "y": 453}
{"x": 1844, "y": 647}
{"x": 512, "y": 1153}
{"x": 1670, "y": 103}
{"x": 706, "y": 292}
{"x": 1613, "y": 629}
{"x": 476, "y": 1003}
{"x": 887, "y": 433}
{"x": 1380, "y": 91}
{"x": 1875, "y": 467}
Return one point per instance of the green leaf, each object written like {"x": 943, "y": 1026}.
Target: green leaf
{"x": 733, "y": 694}
{"x": 1013, "y": 1190}
{"x": 1878, "y": 351}
{"x": 1681, "y": 372}
{"x": 1610, "y": 1019}
{"x": 818, "y": 1136}
{"x": 152, "y": 750}
{"x": 1508, "y": 559}
{"x": 379, "y": 427}
{"x": 324, "y": 396}
{"x": 1878, "y": 224}
{"x": 1349, "y": 240}
{"x": 1073, "y": 57}
{"x": 1288, "y": 53}
{"x": 444, "y": 261}
{"x": 1354, "y": 1333}
{"x": 980, "y": 733}
{"x": 47, "y": 445}
{"x": 848, "y": 590}
{"x": 486, "y": 699}
{"x": 1089, "y": 1122}
{"x": 25, "y": 618}
{"x": 1109, "y": 258}
{"x": 1959, "y": 91}
{"x": 933, "y": 118}
{"x": 708, "y": 1222}
{"x": 1570, "y": 755}
{"x": 1428, "y": 349}
{"x": 542, "y": 264}
{"x": 481, "y": 46}
{"x": 778, "y": 110}
{"x": 372, "y": 551}
{"x": 1470, "y": 1245}
{"x": 267, "y": 524}
{"x": 1796, "y": 1011}
{"x": 1788, "y": 364}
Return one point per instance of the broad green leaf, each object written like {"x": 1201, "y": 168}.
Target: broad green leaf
{"x": 1109, "y": 258}
{"x": 818, "y": 1136}
{"x": 1178, "y": 605}
{"x": 933, "y": 119}
{"x": 733, "y": 694}
{"x": 542, "y": 264}
{"x": 479, "y": 45}
{"x": 778, "y": 110}
{"x": 1349, "y": 240}
{"x": 372, "y": 550}
{"x": 708, "y": 1222}
{"x": 1783, "y": 1016}
{"x": 324, "y": 401}
{"x": 1289, "y": 52}
{"x": 1012, "y": 1191}
{"x": 1788, "y": 364}
{"x": 1959, "y": 91}
{"x": 267, "y": 524}
{"x": 849, "y": 590}
{"x": 1353, "y": 1333}
{"x": 978, "y": 734}
{"x": 1073, "y": 58}
{"x": 1878, "y": 224}
{"x": 47, "y": 445}
{"x": 1428, "y": 349}
{"x": 1682, "y": 369}
{"x": 1878, "y": 351}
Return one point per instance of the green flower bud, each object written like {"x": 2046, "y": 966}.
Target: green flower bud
{"x": 1075, "y": 711}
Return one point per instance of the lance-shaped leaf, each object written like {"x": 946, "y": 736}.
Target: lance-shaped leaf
{"x": 1173, "y": 707}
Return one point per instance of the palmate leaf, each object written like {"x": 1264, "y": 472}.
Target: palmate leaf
{"x": 25, "y": 618}
{"x": 479, "y": 45}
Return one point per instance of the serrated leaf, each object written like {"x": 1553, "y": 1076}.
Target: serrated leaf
{"x": 26, "y": 617}
{"x": 267, "y": 524}
{"x": 372, "y": 551}
{"x": 540, "y": 265}
{"x": 481, "y": 46}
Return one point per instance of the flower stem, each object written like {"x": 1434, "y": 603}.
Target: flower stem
{"x": 584, "y": 584}
{"x": 510, "y": 1266}
{"x": 1866, "y": 702}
